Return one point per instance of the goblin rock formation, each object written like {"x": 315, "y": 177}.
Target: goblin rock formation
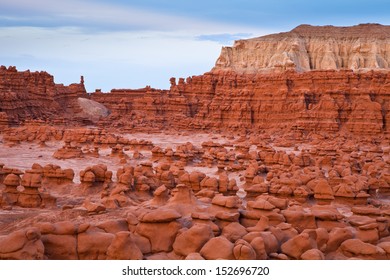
{"x": 280, "y": 152}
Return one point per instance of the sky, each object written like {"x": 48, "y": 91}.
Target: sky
{"x": 135, "y": 43}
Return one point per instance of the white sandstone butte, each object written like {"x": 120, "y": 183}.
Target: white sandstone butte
{"x": 306, "y": 47}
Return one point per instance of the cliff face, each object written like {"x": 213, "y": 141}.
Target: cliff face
{"x": 365, "y": 46}
{"x": 329, "y": 101}
{"x": 34, "y": 95}
{"x": 243, "y": 91}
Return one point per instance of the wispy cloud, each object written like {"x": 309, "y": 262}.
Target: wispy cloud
{"x": 224, "y": 38}
{"x": 138, "y": 58}
{"x": 104, "y": 16}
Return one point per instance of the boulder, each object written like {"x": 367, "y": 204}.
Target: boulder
{"x": 243, "y": 250}
{"x": 297, "y": 245}
{"x": 24, "y": 244}
{"x": 123, "y": 247}
{"x": 355, "y": 248}
{"x": 192, "y": 240}
{"x": 218, "y": 248}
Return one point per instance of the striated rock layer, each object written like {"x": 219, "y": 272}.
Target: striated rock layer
{"x": 329, "y": 101}
{"x": 309, "y": 47}
{"x": 34, "y": 95}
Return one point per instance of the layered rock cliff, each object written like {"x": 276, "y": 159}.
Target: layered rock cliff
{"x": 34, "y": 95}
{"x": 365, "y": 46}
{"x": 329, "y": 101}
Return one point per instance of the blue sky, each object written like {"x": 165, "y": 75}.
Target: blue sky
{"x": 131, "y": 44}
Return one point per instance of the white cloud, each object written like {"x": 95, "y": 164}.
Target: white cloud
{"x": 132, "y": 48}
{"x": 160, "y": 55}
{"x": 109, "y": 15}
{"x": 151, "y": 48}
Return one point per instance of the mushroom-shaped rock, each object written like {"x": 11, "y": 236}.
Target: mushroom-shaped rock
{"x": 256, "y": 189}
{"x": 11, "y": 180}
{"x": 183, "y": 195}
{"x": 32, "y": 179}
{"x": 100, "y": 172}
{"x": 283, "y": 232}
{"x": 10, "y": 194}
{"x": 326, "y": 213}
{"x": 344, "y": 191}
{"x": 163, "y": 222}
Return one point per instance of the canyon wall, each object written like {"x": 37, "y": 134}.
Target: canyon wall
{"x": 34, "y": 95}
{"x": 329, "y": 101}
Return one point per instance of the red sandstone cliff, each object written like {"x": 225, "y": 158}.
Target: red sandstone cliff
{"x": 34, "y": 95}
{"x": 329, "y": 101}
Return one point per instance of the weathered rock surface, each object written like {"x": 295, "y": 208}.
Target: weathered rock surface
{"x": 24, "y": 244}
{"x": 309, "y": 47}
{"x": 34, "y": 95}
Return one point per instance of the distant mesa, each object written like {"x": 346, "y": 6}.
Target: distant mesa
{"x": 306, "y": 47}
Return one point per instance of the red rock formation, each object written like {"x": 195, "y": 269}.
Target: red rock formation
{"x": 34, "y": 95}
{"x": 329, "y": 101}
